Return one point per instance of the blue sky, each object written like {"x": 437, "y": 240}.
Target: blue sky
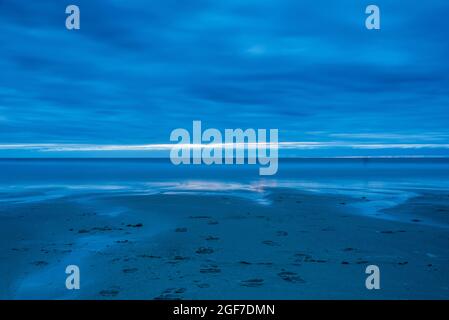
{"x": 139, "y": 69}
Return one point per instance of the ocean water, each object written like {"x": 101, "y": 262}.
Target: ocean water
{"x": 115, "y": 174}
{"x": 41, "y": 172}
{"x": 387, "y": 182}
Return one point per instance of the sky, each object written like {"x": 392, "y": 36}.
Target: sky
{"x": 136, "y": 70}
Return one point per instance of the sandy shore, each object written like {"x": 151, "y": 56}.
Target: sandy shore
{"x": 297, "y": 245}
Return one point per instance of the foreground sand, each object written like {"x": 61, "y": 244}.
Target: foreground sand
{"x": 190, "y": 246}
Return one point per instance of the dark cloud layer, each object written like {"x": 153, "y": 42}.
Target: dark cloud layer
{"x": 138, "y": 69}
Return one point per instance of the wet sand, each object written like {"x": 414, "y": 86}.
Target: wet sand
{"x": 296, "y": 245}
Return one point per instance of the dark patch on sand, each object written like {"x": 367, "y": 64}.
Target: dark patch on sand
{"x": 122, "y": 241}
{"x": 200, "y": 217}
{"x": 137, "y": 225}
{"x": 171, "y": 294}
{"x": 148, "y": 256}
{"x": 106, "y": 228}
{"x": 130, "y": 270}
{"x": 304, "y": 257}
{"x": 252, "y": 283}
{"x": 270, "y": 243}
{"x": 109, "y": 293}
{"x": 204, "y": 250}
{"x": 391, "y": 231}
{"x": 292, "y": 277}
{"x": 178, "y": 259}
{"x": 210, "y": 268}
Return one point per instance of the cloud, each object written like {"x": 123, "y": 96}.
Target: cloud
{"x": 298, "y": 145}
{"x": 406, "y": 137}
{"x": 134, "y": 71}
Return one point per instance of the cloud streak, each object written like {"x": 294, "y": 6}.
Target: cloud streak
{"x": 298, "y": 145}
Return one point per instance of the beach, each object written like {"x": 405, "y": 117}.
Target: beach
{"x": 225, "y": 240}
{"x": 229, "y": 150}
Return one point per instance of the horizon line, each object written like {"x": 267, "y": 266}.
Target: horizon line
{"x": 282, "y": 158}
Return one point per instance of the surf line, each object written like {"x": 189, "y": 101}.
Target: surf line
{"x": 209, "y": 147}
